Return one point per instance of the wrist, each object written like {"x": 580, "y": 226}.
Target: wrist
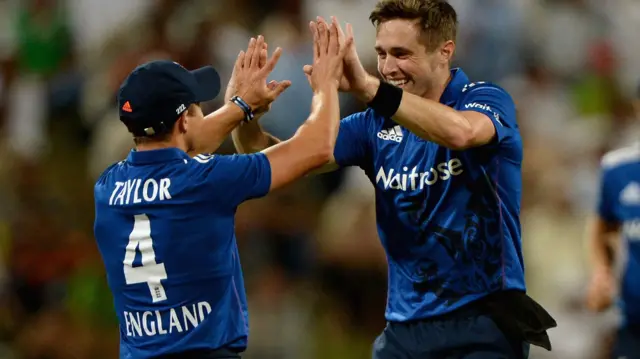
{"x": 233, "y": 110}
{"x": 368, "y": 90}
{"x": 246, "y": 108}
{"x": 387, "y": 100}
{"x": 329, "y": 86}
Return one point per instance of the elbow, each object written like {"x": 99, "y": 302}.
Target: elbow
{"x": 323, "y": 155}
{"x": 461, "y": 139}
{"x": 320, "y": 153}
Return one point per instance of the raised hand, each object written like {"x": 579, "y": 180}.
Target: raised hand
{"x": 249, "y": 77}
{"x": 328, "y": 54}
{"x": 354, "y": 75}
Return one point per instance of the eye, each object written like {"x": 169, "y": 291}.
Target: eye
{"x": 401, "y": 54}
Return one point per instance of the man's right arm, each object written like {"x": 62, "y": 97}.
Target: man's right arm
{"x": 250, "y": 138}
{"x": 311, "y": 147}
{"x": 603, "y": 233}
{"x": 352, "y": 148}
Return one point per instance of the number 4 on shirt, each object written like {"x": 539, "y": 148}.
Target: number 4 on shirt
{"x": 149, "y": 272}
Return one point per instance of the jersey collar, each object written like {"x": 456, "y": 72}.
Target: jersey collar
{"x": 451, "y": 93}
{"x": 156, "y": 156}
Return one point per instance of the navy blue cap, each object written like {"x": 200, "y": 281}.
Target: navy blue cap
{"x": 155, "y": 94}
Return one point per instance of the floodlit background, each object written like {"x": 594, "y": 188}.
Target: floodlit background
{"x": 316, "y": 273}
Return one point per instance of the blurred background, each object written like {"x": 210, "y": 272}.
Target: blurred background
{"x": 316, "y": 273}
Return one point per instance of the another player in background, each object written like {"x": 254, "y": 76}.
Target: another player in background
{"x": 444, "y": 155}
{"x": 165, "y": 221}
{"x": 617, "y": 219}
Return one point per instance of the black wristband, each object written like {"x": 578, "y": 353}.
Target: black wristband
{"x": 248, "y": 113}
{"x": 387, "y": 100}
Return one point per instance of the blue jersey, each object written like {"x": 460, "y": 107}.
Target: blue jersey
{"x": 619, "y": 202}
{"x": 165, "y": 229}
{"x": 448, "y": 220}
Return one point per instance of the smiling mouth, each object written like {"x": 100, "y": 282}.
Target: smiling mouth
{"x": 398, "y": 83}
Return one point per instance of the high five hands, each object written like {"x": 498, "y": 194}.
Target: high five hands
{"x": 354, "y": 76}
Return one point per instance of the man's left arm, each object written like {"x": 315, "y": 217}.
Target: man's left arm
{"x": 218, "y": 125}
{"x": 488, "y": 115}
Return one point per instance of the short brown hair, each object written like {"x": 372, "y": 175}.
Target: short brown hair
{"x": 438, "y": 19}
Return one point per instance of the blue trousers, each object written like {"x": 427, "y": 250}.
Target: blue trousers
{"x": 454, "y": 336}
{"x": 627, "y": 344}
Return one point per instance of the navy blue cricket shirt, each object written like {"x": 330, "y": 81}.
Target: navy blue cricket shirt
{"x": 448, "y": 220}
{"x": 619, "y": 202}
{"x": 165, "y": 228}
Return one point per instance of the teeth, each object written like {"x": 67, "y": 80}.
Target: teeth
{"x": 397, "y": 82}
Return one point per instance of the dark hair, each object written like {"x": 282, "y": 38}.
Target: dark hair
{"x": 438, "y": 19}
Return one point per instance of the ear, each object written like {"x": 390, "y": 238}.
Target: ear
{"x": 183, "y": 123}
{"x": 447, "y": 50}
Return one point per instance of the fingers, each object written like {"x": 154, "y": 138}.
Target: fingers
{"x": 323, "y": 33}
{"x": 257, "y": 51}
{"x": 341, "y": 35}
{"x": 313, "y": 27}
{"x": 350, "y": 31}
{"x": 346, "y": 46}
{"x": 308, "y": 69}
{"x": 263, "y": 55}
{"x": 280, "y": 88}
{"x": 272, "y": 84}
{"x": 329, "y": 38}
{"x": 334, "y": 37}
{"x": 249, "y": 54}
{"x": 239, "y": 62}
{"x": 271, "y": 64}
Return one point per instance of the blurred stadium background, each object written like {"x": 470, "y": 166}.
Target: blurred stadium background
{"x": 316, "y": 273}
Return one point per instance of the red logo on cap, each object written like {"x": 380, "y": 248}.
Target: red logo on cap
{"x": 127, "y": 107}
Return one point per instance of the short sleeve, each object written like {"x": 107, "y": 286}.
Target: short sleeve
{"x": 607, "y": 196}
{"x": 498, "y": 105}
{"x": 236, "y": 178}
{"x": 353, "y": 146}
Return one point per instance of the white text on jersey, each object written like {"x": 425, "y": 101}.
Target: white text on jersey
{"x": 478, "y": 106}
{"x": 135, "y": 191}
{"x": 409, "y": 181}
{"x": 154, "y": 323}
{"x": 631, "y": 230}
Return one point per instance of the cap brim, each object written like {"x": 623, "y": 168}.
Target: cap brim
{"x": 208, "y": 83}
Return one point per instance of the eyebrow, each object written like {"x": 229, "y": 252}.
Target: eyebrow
{"x": 394, "y": 49}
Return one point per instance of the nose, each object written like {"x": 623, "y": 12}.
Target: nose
{"x": 390, "y": 67}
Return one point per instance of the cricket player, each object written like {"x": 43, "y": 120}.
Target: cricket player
{"x": 616, "y": 222}
{"x": 444, "y": 155}
{"x": 165, "y": 220}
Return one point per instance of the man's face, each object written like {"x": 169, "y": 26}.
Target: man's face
{"x": 403, "y": 59}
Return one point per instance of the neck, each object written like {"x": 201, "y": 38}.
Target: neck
{"x": 439, "y": 86}
{"x": 158, "y": 145}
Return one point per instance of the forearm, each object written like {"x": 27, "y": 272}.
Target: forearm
{"x": 426, "y": 118}
{"x": 217, "y": 126}
{"x": 249, "y": 138}
{"x": 600, "y": 246}
{"x": 320, "y": 131}
{"x": 311, "y": 147}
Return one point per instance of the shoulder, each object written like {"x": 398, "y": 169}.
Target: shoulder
{"x": 107, "y": 174}
{"x": 367, "y": 115}
{"x": 223, "y": 165}
{"x": 621, "y": 157}
{"x": 362, "y": 122}
{"x": 486, "y": 90}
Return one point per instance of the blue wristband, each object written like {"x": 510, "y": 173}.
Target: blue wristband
{"x": 248, "y": 114}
